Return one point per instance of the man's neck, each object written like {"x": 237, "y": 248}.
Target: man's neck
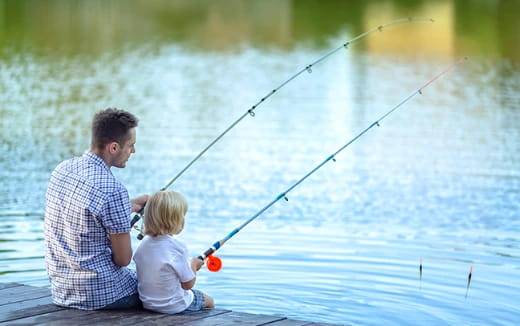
{"x": 103, "y": 154}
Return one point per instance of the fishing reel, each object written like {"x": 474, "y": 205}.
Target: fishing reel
{"x": 213, "y": 263}
{"x": 136, "y": 216}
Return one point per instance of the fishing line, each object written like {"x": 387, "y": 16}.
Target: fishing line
{"x": 138, "y": 215}
{"x": 214, "y": 263}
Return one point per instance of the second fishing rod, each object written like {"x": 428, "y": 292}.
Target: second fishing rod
{"x": 214, "y": 263}
{"x": 251, "y": 111}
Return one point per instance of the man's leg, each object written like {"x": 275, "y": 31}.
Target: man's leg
{"x": 131, "y": 301}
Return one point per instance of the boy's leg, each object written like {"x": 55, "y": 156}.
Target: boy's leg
{"x": 208, "y": 301}
{"x": 200, "y": 301}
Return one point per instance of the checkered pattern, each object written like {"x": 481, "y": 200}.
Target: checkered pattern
{"x": 198, "y": 301}
{"x": 84, "y": 204}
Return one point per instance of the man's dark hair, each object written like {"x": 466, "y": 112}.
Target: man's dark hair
{"x": 111, "y": 125}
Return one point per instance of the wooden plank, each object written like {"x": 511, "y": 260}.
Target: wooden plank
{"x": 184, "y": 317}
{"x": 20, "y": 293}
{"x": 234, "y": 318}
{"x": 113, "y": 317}
{"x": 138, "y": 317}
{"x": 29, "y": 305}
{"x": 62, "y": 317}
{"x": 27, "y": 308}
{"x": 290, "y": 322}
{"x": 8, "y": 285}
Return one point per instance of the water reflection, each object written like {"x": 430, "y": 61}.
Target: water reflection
{"x": 93, "y": 27}
{"x": 438, "y": 181}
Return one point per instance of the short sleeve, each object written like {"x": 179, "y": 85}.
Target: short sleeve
{"x": 182, "y": 266}
{"x": 116, "y": 212}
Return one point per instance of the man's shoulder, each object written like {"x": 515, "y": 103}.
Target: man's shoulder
{"x": 86, "y": 173}
{"x": 75, "y": 164}
{"x": 66, "y": 164}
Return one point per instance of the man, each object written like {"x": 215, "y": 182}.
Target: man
{"x": 87, "y": 221}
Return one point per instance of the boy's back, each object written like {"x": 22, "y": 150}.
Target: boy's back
{"x": 162, "y": 265}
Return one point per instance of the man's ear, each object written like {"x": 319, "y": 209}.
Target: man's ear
{"x": 112, "y": 147}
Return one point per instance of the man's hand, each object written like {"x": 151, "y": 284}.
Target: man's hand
{"x": 138, "y": 203}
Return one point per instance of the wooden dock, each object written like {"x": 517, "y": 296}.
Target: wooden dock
{"x": 29, "y": 305}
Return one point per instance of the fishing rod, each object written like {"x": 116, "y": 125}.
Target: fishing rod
{"x": 138, "y": 215}
{"x": 214, "y": 263}
{"x": 307, "y": 68}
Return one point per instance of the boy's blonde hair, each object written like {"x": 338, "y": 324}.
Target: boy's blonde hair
{"x": 164, "y": 213}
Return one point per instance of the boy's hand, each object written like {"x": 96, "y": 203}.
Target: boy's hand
{"x": 196, "y": 264}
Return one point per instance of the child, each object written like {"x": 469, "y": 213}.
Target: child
{"x": 165, "y": 278}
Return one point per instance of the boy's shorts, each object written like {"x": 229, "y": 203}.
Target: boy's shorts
{"x": 198, "y": 301}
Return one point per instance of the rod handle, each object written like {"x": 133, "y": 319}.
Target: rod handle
{"x": 136, "y": 216}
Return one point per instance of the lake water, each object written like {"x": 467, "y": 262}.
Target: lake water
{"x": 437, "y": 182}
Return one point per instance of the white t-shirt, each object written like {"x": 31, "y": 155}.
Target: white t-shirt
{"x": 162, "y": 264}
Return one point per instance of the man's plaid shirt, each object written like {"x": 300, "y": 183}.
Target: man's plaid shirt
{"x": 84, "y": 204}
